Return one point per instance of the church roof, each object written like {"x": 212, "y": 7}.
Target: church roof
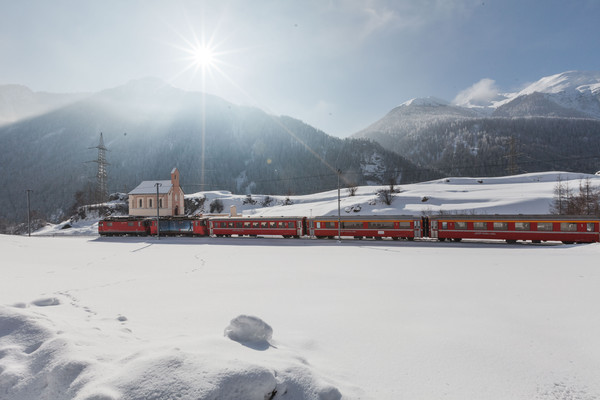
{"x": 149, "y": 187}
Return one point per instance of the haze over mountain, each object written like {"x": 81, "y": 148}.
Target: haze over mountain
{"x": 150, "y": 127}
{"x": 552, "y": 124}
{"x": 18, "y": 102}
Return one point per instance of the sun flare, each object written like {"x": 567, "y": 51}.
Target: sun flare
{"x": 204, "y": 57}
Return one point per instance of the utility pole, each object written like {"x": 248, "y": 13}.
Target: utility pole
{"x": 28, "y": 213}
{"x": 157, "y": 184}
{"x": 339, "y": 172}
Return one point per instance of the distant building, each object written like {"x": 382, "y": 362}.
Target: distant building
{"x": 142, "y": 199}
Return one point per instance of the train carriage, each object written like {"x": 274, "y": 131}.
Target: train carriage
{"x": 536, "y": 228}
{"x": 179, "y": 226}
{"x": 378, "y": 227}
{"x": 257, "y": 226}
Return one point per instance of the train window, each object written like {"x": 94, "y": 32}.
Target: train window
{"x": 255, "y": 224}
{"x": 500, "y": 226}
{"x": 109, "y": 223}
{"x": 318, "y": 225}
{"x": 246, "y": 224}
{"x": 544, "y": 226}
{"x": 291, "y": 224}
{"x": 272, "y": 224}
{"x": 239, "y": 224}
{"x": 444, "y": 225}
{"x": 130, "y": 224}
{"x": 330, "y": 225}
{"x": 282, "y": 224}
{"x": 590, "y": 227}
{"x": 230, "y": 224}
{"x": 568, "y": 227}
{"x": 352, "y": 225}
{"x": 479, "y": 225}
{"x": 381, "y": 225}
{"x": 522, "y": 226}
{"x": 404, "y": 224}
{"x": 460, "y": 225}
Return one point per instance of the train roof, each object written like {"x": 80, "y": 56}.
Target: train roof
{"x": 364, "y": 217}
{"x": 254, "y": 217}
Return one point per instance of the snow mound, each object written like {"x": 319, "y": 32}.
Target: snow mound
{"x": 41, "y": 358}
{"x": 249, "y": 329}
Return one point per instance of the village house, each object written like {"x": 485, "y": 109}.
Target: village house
{"x": 142, "y": 199}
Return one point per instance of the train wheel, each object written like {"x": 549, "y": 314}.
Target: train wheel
{"x": 395, "y": 238}
{"x": 441, "y": 239}
{"x": 567, "y": 242}
{"x": 511, "y": 241}
{"x": 457, "y": 239}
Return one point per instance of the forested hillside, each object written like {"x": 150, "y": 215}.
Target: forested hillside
{"x": 150, "y": 127}
{"x": 500, "y": 146}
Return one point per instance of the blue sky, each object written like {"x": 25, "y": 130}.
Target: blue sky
{"x": 337, "y": 65}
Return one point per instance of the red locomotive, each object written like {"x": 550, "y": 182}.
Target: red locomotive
{"x": 119, "y": 226}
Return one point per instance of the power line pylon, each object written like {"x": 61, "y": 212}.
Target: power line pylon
{"x": 101, "y": 193}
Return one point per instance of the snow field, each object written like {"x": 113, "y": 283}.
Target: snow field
{"x": 131, "y": 318}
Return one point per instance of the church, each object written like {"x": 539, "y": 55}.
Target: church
{"x": 143, "y": 199}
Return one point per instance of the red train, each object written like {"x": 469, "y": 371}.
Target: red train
{"x": 511, "y": 228}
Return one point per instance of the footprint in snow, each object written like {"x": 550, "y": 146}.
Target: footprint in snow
{"x": 46, "y": 301}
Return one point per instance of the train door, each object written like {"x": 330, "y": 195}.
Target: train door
{"x": 433, "y": 229}
{"x": 417, "y": 228}
{"x": 311, "y": 228}
{"x": 301, "y": 227}
{"x": 425, "y": 227}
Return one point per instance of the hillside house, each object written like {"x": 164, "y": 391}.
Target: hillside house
{"x": 142, "y": 199}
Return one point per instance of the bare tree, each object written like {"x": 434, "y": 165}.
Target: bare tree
{"x": 562, "y": 193}
{"x": 586, "y": 202}
{"x": 351, "y": 189}
{"x": 217, "y": 206}
{"x": 386, "y": 196}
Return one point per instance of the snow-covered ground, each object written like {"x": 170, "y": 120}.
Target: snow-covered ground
{"x": 239, "y": 318}
{"x": 519, "y": 194}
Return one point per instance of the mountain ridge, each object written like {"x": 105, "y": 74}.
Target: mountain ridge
{"x": 149, "y": 128}
{"x": 553, "y": 120}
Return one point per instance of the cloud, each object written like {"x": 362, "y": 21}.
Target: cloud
{"x": 479, "y": 94}
{"x": 363, "y": 18}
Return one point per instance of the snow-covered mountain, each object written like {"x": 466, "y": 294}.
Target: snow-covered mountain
{"x": 553, "y": 123}
{"x": 414, "y": 115}
{"x": 573, "y": 94}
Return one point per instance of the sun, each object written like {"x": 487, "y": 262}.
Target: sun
{"x": 204, "y": 56}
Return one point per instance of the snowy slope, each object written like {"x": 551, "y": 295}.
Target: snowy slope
{"x": 519, "y": 194}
